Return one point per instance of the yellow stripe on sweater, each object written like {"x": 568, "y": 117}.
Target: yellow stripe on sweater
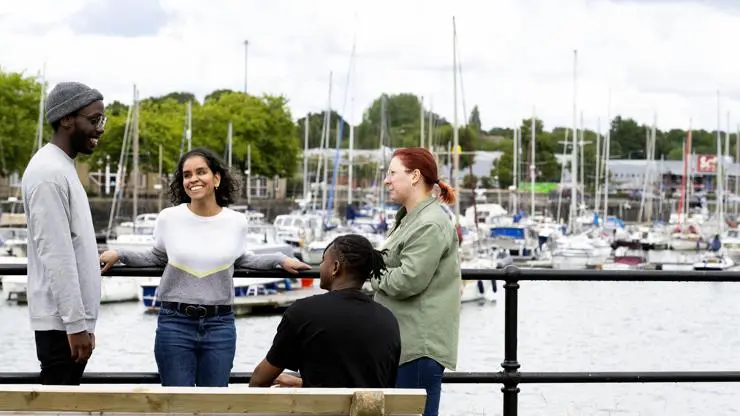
{"x": 200, "y": 274}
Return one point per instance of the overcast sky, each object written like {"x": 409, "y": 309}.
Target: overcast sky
{"x": 662, "y": 56}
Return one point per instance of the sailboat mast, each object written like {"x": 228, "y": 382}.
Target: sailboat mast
{"x": 305, "y": 155}
{"x": 737, "y": 160}
{"x": 383, "y": 127}
{"x": 455, "y": 132}
{"x": 229, "y": 142}
{"x": 562, "y": 174}
{"x": 597, "y": 184}
{"x": 607, "y": 148}
{"x": 120, "y": 172}
{"x": 42, "y": 100}
{"x": 249, "y": 174}
{"x": 532, "y": 169}
{"x": 159, "y": 176}
{"x": 189, "y": 131}
{"x": 430, "y": 126}
{"x": 421, "y": 120}
{"x": 582, "y": 145}
{"x": 574, "y": 154}
{"x": 350, "y": 167}
{"x": 325, "y": 150}
{"x": 136, "y": 157}
{"x": 515, "y": 173}
{"x": 719, "y": 170}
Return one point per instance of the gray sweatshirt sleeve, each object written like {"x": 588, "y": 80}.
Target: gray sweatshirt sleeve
{"x": 156, "y": 257}
{"x": 250, "y": 260}
{"x": 48, "y": 215}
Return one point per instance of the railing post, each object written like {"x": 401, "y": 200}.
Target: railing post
{"x": 510, "y": 363}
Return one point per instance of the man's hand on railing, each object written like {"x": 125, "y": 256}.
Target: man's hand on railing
{"x": 287, "y": 380}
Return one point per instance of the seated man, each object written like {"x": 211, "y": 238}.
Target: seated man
{"x": 342, "y": 338}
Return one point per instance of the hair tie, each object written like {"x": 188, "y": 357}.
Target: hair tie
{"x": 436, "y": 181}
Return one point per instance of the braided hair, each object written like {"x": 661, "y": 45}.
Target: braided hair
{"x": 358, "y": 256}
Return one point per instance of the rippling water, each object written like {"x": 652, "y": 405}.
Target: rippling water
{"x": 568, "y": 326}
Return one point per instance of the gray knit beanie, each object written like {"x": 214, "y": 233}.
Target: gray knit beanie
{"x": 68, "y": 97}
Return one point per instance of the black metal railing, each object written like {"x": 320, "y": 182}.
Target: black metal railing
{"x": 510, "y": 376}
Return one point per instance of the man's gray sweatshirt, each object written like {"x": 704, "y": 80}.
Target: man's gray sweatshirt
{"x": 63, "y": 267}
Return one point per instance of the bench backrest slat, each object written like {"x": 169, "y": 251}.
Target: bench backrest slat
{"x": 234, "y": 399}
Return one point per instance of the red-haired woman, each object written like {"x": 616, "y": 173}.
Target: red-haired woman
{"x": 422, "y": 283}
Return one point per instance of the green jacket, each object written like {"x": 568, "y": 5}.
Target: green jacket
{"x": 422, "y": 284}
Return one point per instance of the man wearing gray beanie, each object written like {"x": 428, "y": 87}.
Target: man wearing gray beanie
{"x": 63, "y": 288}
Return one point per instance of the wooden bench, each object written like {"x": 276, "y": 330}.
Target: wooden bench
{"x": 138, "y": 399}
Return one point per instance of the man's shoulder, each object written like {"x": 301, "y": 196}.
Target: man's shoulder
{"x": 34, "y": 178}
{"x": 42, "y": 171}
{"x": 384, "y": 313}
{"x": 308, "y": 303}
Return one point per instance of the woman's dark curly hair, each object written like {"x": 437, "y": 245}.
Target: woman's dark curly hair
{"x": 358, "y": 256}
{"x": 225, "y": 193}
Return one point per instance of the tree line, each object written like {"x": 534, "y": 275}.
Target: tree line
{"x": 267, "y": 124}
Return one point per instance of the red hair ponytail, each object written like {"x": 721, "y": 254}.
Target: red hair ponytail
{"x": 446, "y": 193}
{"x": 421, "y": 159}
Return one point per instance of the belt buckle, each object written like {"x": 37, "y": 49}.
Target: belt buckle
{"x": 196, "y": 311}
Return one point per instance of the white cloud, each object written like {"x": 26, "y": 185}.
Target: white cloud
{"x": 662, "y": 56}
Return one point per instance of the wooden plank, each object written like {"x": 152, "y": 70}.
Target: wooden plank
{"x": 189, "y": 400}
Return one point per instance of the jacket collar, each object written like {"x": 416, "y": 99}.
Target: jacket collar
{"x": 403, "y": 216}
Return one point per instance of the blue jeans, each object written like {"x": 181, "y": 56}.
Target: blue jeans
{"x": 194, "y": 351}
{"x": 423, "y": 373}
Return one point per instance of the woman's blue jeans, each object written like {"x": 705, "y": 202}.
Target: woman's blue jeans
{"x": 194, "y": 351}
{"x": 423, "y": 373}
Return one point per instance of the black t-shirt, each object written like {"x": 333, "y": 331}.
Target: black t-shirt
{"x": 339, "y": 339}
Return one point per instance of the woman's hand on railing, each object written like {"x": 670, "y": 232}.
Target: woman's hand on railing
{"x": 292, "y": 265}
{"x": 108, "y": 259}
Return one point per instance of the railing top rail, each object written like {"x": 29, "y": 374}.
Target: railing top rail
{"x": 455, "y": 377}
{"x": 508, "y": 273}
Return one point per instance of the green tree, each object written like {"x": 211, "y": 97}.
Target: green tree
{"x": 316, "y": 128}
{"x": 264, "y": 122}
{"x": 19, "y": 114}
{"x": 474, "y": 121}
{"x": 469, "y": 181}
{"x": 467, "y": 139}
{"x": 403, "y": 121}
{"x": 503, "y": 168}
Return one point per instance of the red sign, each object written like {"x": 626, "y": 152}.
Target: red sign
{"x": 706, "y": 164}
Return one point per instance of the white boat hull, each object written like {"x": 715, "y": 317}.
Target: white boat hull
{"x": 112, "y": 289}
{"x": 243, "y": 287}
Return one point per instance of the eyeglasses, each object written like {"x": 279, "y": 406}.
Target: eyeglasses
{"x": 390, "y": 173}
{"x": 97, "y": 120}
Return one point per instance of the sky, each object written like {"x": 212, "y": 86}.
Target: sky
{"x": 646, "y": 59}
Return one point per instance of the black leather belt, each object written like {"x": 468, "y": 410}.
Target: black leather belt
{"x": 197, "y": 311}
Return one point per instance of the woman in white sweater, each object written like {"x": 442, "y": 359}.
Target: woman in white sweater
{"x": 199, "y": 242}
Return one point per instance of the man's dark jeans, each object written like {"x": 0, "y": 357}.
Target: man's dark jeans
{"x": 57, "y": 365}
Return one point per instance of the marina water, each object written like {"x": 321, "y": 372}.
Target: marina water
{"x": 563, "y": 326}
